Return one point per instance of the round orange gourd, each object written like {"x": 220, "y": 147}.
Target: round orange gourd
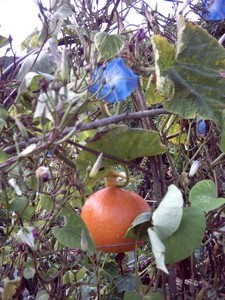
{"x": 108, "y": 213}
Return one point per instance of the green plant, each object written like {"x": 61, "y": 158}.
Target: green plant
{"x": 98, "y": 93}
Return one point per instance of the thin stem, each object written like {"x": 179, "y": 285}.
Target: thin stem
{"x": 93, "y": 125}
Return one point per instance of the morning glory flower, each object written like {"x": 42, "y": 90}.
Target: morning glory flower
{"x": 215, "y": 10}
{"x": 114, "y": 81}
{"x": 201, "y": 127}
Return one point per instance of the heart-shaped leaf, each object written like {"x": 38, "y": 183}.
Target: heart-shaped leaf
{"x": 70, "y": 234}
{"x": 108, "y": 45}
{"x": 203, "y": 196}
{"x": 196, "y": 81}
{"x": 188, "y": 237}
{"x": 120, "y": 142}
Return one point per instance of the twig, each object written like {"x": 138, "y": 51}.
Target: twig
{"x": 93, "y": 125}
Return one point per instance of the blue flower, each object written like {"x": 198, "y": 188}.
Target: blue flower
{"x": 114, "y": 81}
{"x": 214, "y": 11}
{"x": 201, "y": 127}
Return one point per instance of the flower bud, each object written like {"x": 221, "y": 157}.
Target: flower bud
{"x": 97, "y": 165}
{"x": 15, "y": 186}
{"x": 194, "y": 168}
{"x": 64, "y": 72}
{"x": 84, "y": 241}
{"x": 43, "y": 173}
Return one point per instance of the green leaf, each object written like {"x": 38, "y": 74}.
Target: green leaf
{"x": 3, "y": 155}
{"x": 44, "y": 63}
{"x": 81, "y": 273}
{"x": 18, "y": 204}
{"x": 222, "y": 141}
{"x": 197, "y": 73}
{"x": 68, "y": 277}
{"x": 182, "y": 136}
{"x": 70, "y": 234}
{"x": 3, "y": 113}
{"x": 21, "y": 128}
{"x": 108, "y": 45}
{"x": 29, "y": 272}
{"x": 42, "y": 295}
{"x": 203, "y": 196}
{"x": 125, "y": 283}
{"x": 3, "y": 117}
{"x": 152, "y": 295}
{"x": 122, "y": 143}
{"x": 3, "y": 41}
{"x": 10, "y": 288}
{"x": 165, "y": 58}
{"x": 46, "y": 202}
{"x": 2, "y": 124}
{"x": 151, "y": 95}
{"x": 167, "y": 217}
{"x": 46, "y": 105}
{"x": 28, "y": 213}
{"x": 30, "y": 82}
{"x": 132, "y": 296}
{"x": 187, "y": 238}
{"x": 139, "y": 226}
{"x": 158, "y": 250}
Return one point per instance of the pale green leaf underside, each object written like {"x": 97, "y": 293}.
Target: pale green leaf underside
{"x": 158, "y": 250}
{"x": 167, "y": 217}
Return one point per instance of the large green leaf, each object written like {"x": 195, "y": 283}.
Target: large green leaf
{"x": 187, "y": 238}
{"x": 197, "y": 73}
{"x": 70, "y": 234}
{"x": 123, "y": 143}
{"x": 108, "y": 45}
{"x": 203, "y": 196}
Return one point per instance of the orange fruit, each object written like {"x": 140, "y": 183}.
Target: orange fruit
{"x": 108, "y": 213}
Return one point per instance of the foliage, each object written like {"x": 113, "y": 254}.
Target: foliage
{"x": 94, "y": 92}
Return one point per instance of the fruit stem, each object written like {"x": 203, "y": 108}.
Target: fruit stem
{"x": 111, "y": 180}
